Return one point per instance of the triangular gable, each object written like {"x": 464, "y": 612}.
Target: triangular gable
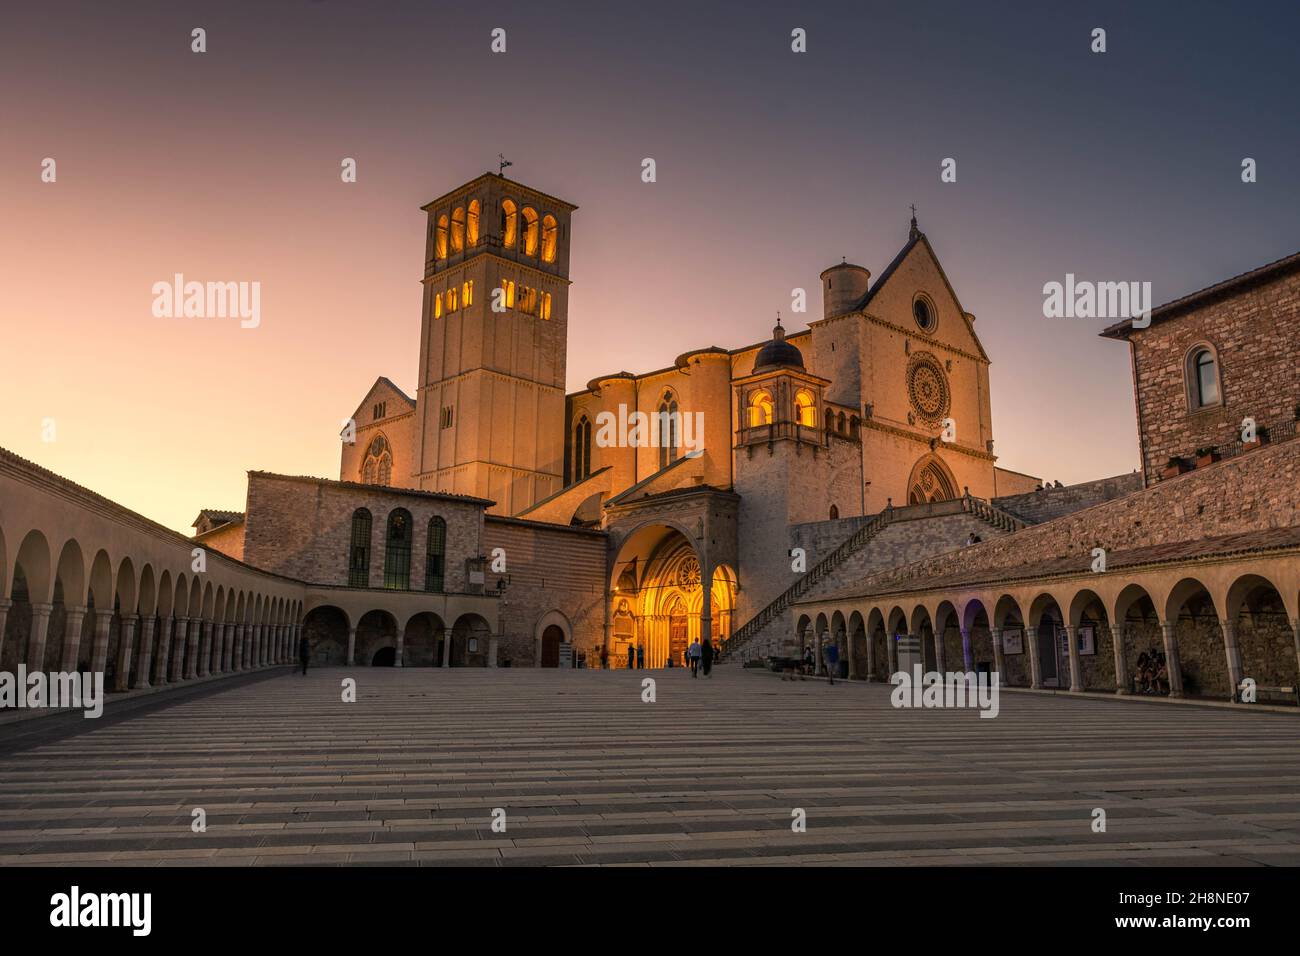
{"x": 382, "y": 390}
{"x": 918, "y": 263}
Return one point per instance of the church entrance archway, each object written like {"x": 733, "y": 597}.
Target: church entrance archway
{"x": 930, "y": 481}
{"x": 552, "y": 638}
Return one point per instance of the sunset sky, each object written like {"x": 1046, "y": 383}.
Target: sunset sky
{"x": 771, "y": 166}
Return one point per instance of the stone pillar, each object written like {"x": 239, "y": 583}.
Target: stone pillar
{"x": 352, "y": 646}
{"x": 1295, "y": 632}
{"x": 1076, "y": 666}
{"x": 853, "y": 664}
{"x": 999, "y": 662}
{"x": 401, "y": 646}
{"x": 492, "y": 651}
{"x": 706, "y": 603}
{"x": 446, "y": 647}
{"x": 5, "y": 605}
{"x": 193, "y": 647}
{"x": 967, "y": 655}
{"x": 817, "y": 652}
{"x": 939, "y": 663}
{"x": 1118, "y": 640}
{"x": 36, "y": 641}
{"x": 178, "y": 662}
{"x": 285, "y": 631}
{"x": 871, "y": 656}
{"x": 891, "y": 650}
{"x": 231, "y": 641}
{"x": 1233, "y": 654}
{"x": 145, "y": 657}
{"x": 164, "y": 650}
{"x": 71, "y": 648}
{"x": 1172, "y": 662}
{"x": 125, "y": 645}
{"x": 1035, "y": 665}
{"x": 99, "y": 650}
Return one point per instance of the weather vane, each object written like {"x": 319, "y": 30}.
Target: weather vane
{"x": 501, "y": 166}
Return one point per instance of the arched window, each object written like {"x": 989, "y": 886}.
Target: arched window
{"x": 436, "y": 555}
{"x": 471, "y": 224}
{"x": 508, "y": 293}
{"x": 530, "y": 301}
{"x": 397, "y": 551}
{"x": 437, "y": 306}
{"x": 440, "y": 243}
{"x": 843, "y": 424}
{"x": 805, "y": 412}
{"x": 378, "y": 465}
{"x": 760, "y": 408}
{"x": 582, "y": 449}
{"x": 546, "y": 305}
{"x": 530, "y": 231}
{"x": 467, "y": 292}
{"x": 359, "y": 550}
{"x": 1203, "y": 378}
{"x": 550, "y": 231}
{"x": 829, "y": 418}
{"x": 669, "y": 430}
{"x": 452, "y": 299}
{"x": 835, "y": 512}
{"x": 509, "y": 223}
{"x": 458, "y": 230}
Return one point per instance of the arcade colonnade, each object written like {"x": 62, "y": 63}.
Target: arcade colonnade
{"x": 1216, "y": 622}
{"x": 88, "y": 585}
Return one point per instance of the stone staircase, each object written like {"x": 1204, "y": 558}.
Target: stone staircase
{"x": 900, "y": 536}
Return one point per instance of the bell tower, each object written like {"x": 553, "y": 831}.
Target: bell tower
{"x": 493, "y": 343}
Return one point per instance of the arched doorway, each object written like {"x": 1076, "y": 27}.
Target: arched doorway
{"x": 930, "y": 481}
{"x": 678, "y": 631}
{"x": 326, "y": 631}
{"x": 384, "y": 657}
{"x": 552, "y": 638}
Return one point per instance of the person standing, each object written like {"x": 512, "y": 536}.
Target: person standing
{"x": 304, "y": 653}
{"x": 832, "y": 655}
{"x": 640, "y": 656}
{"x": 706, "y": 658}
{"x": 604, "y": 657}
{"x": 631, "y": 657}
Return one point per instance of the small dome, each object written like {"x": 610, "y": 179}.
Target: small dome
{"x": 778, "y": 353}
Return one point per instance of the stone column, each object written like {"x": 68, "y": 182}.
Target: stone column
{"x": 205, "y": 648}
{"x": 1295, "y": 632}
{"x": 352, "y": 646}
{"x": 446, "y": 647}
{"x": 99, "y": 650}
{"x": 939, "y": 663}
{"x": 706, "y": 603}
{"x": 193, "y": 644}
{"x": 401, "y": 646}
{"x": 74, "y": 616}
{"x": 967, "y": 655}
{"x": 871, "y": 656}
{"x": 164, "y": 650}
{"x": 817, "y": 652}
{"x": 1172, "y": 662}
{"x": 125, "y": 645}
{"x": 145, "y": 657}
{"x": 891, "y": 651}
{"x": 178, "y": 662}
{"x": 1035, "y": 665}
{"x": 1076, "y": 666}
{"x": 1233, "y": 654}
{"x": 228, "y": 650}
{"x": 1118, "y": 640}
{"x": 36, "y": 641}
{"x": 5, "y": 605}
{"x": 999, "y": 662}
{"x": 285, "y": 631}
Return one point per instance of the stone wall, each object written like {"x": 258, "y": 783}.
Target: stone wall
{"x": 1250, "y": 331}
{"x": 1045, "y": 504}
{"x": 302, "y": 527}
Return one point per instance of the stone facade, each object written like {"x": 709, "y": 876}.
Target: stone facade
{"x": 1045, "y": 504}
{"x": 1247, "y": 323}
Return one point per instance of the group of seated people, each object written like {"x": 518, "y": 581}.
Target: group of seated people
{"x": 1151, "y": 675}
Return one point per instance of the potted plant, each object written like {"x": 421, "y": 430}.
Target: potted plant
{"x": 1174, "y": 467}
{"x": 1261, "y": 438}
{"x": 1206, "y": 456}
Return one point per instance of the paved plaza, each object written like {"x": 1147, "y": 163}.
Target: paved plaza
{"x": 587, "y": 773}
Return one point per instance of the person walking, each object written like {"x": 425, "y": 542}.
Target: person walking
{"x": 631, "y": 657}
{"x": 832, "y": 654}
{"x": 693, "y": 655}
{"x": 706, "y": 658}
{"x": 304, "y": 653}
{"x": 604, "y": 657}
{"x": 640, "y": 656}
